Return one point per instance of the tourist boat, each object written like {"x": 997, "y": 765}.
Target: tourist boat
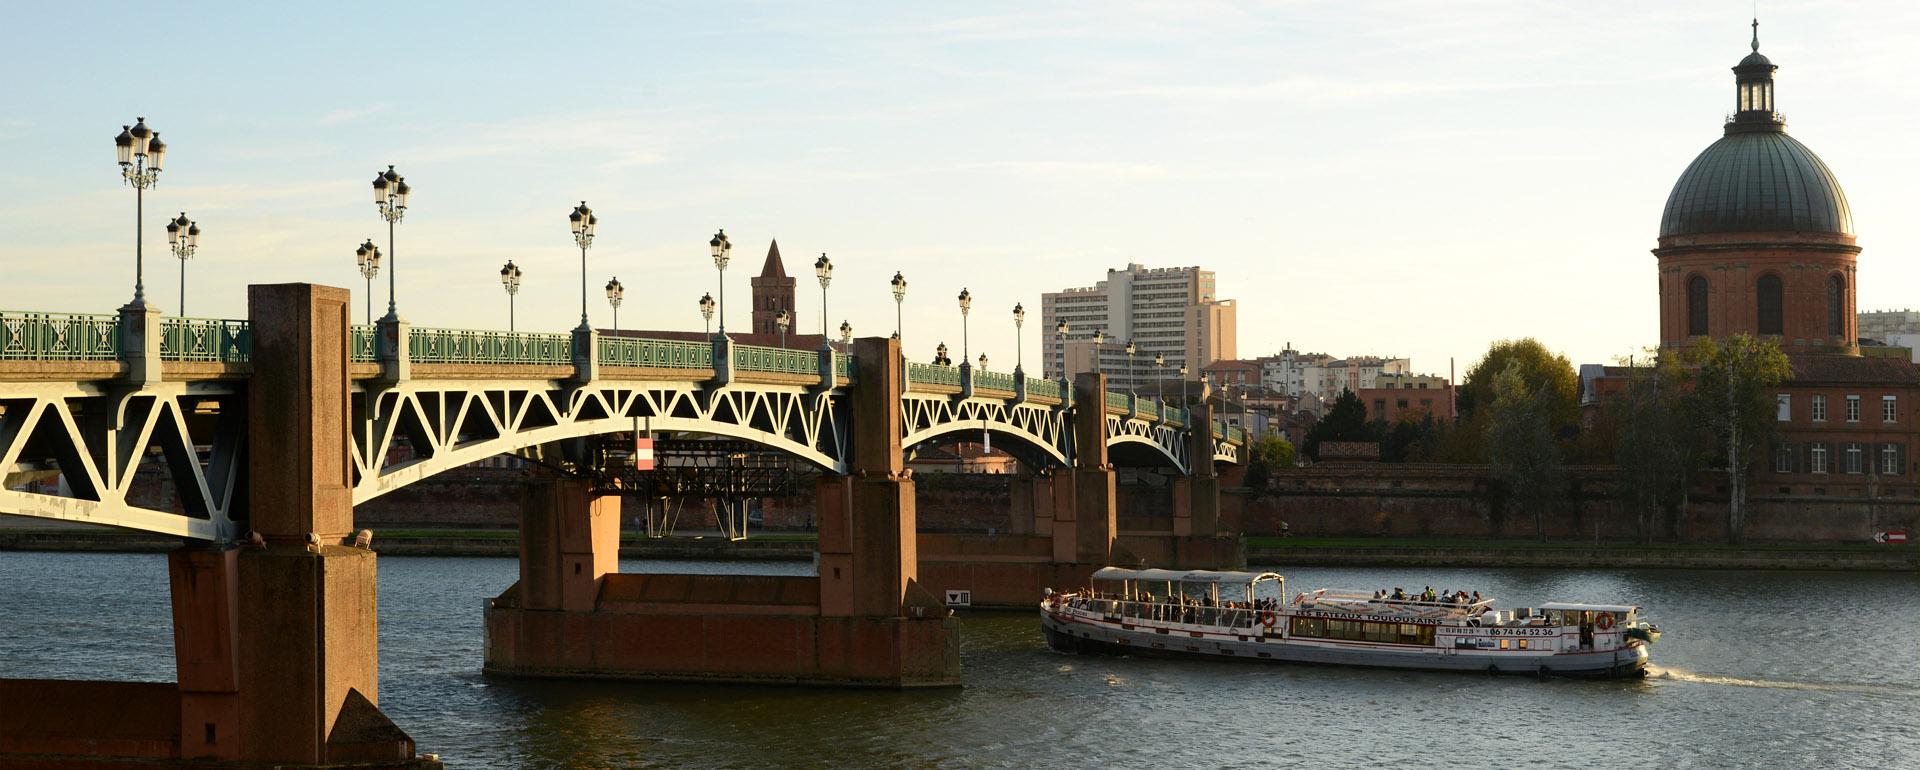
{"x": 1249, "y": 616}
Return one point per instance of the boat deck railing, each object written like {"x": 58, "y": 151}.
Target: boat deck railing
{"x": 1167, "y": 612}
{"x": 1372, "y": 603}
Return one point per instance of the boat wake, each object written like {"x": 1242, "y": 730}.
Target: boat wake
{"x": 1679, "y": 675}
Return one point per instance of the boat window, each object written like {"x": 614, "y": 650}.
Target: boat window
{"x": 1503, "y": 643}
{"x": 1523, "y": 644}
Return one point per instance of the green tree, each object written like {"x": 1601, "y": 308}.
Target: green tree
{"x": 1271, "y": 451}
{"x": 1539, "y": 368}
{"x": 1521, "y": 443}
{"x": 1657, "y": 444}
{"x": 1733, "y": 400}
{"x": 1346, "y": 421}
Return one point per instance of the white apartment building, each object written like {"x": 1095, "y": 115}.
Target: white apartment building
{"x": 1170, "y": 312}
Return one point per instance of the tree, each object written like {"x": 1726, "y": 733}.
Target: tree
{"x": 1733, "y": 400}
{"x": 1269, "y": 452}
{"x": 1657, "y": 444}
{"x": 1521, "y": 445}
{"x": 1346, "y": 421}
{"x": 1538, "y": 368}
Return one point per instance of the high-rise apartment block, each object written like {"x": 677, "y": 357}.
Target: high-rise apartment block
{"x": 1170, "y": 312}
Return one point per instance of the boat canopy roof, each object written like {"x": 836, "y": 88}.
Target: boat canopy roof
{"x": 1578, "y": 607}
{"x": 1182, "y": 576}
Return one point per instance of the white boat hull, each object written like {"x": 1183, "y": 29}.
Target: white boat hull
{"x": 1070, "y": 630}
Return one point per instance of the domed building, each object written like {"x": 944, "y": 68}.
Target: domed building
{"x": 1757, "y": 237}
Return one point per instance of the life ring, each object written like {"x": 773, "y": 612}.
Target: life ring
{"x": 1268, "y": 619}
{"x": 1606, "y": 621}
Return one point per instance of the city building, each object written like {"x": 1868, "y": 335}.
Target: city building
{"x": 772, "y": 293}
{"x": 1414, "y": 397}
{"x": 1891, "y": 328}
{"x": 1757, "y": 239}
{"x": 1169, "y": 312}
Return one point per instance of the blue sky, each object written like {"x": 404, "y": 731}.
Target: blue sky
{"x": 1411, "y": 178}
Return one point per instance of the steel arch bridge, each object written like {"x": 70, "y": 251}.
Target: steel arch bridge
{"x": 76, "y": 422}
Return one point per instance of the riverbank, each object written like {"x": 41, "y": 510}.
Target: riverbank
{"x": 1261, "y": 551}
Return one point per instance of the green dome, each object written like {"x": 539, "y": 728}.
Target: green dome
{"x": 1756, "y": 181}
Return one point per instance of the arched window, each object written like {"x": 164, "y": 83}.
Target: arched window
{"x": 1696, "y": 306}
{"x": 1769, "y": 301}
{"x": 1836, "y": 306}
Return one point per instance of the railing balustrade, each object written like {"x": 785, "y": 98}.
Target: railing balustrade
{"x": 1117, "y": 401}
{"x": 1039, "y": 388}
{"x": 655, "y": 354}
{"x": 58, "y": 337}
{"x": 1183, "y": 614}
{"x": 463, "y": 346}
{"x": 360, "y": 341}
{"x": 205, "y": 339}
{"x": 985, "y": 380}
{"x": 844, "y": 365}
{"x": 933, "y": 374}
{"x": 756, "y": 358}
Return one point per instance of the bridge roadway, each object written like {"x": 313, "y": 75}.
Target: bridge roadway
{"x": 273, "y": 595}
{"x": 78, "y": 397}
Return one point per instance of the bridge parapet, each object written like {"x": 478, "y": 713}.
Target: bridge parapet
{"x": 465, "y": 346}
{"x": 58, "y": 337}
{"x": 206, "y": 339}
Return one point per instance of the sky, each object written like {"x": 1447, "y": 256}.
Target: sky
{"x": 1414, "y": 179}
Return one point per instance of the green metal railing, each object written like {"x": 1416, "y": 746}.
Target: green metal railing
{"x": 58, "y": 337}
{"x": 985, "y": 380}
{"x": 844, "y": 366}
{"x": 205, "y": 339}
{"x": 1236, "y": 436}
{"x": 754, "y": 358}
{"x": 655, "y": 354}
{"x": 1178, "y": 416}
{"x": 360, "y": 342}
{"x": 1117, "y": 401}
{"x": 1039, "y": 388}
{"x": 1149, "y": 409}
{"x": 461, "y": 346}
{"x": 931, "y": 374}
{"x": 1219, "y": 429}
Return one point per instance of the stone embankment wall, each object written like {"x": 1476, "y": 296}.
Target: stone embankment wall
{"x": 1463, "y": 501}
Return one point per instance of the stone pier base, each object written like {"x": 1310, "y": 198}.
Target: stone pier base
{"x": 728, "y": 628}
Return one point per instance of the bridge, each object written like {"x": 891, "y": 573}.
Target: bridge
{"x": 273, "y": 427}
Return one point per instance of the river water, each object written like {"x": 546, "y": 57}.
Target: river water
{"x": 1756, "y": 669}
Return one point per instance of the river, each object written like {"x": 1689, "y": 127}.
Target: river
{"x": 1756, "y": 669}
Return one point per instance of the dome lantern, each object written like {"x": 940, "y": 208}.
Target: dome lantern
{"x": 1754, "y": 108}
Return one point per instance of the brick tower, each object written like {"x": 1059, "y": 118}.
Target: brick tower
{"x": 772, "y": 293}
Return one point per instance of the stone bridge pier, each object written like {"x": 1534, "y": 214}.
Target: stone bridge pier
{"x": 1065, "y": 524}
{"x": 275, "y": 644}
{"x": 863, "y": 620}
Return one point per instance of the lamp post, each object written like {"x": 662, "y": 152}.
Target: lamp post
{"x": 722, "y": 251}
{"x": 1019, "y": 345}
{"x": 1130, "y": 380}
{"x": 846, "y": 333}
{"x": 706, "y": 311}
{"x": 582, "y": 221}
{"x": 983, "y": 362}
{"x": 899, "y": 295}
{"x": 510, "y": 280}
{"x": 1060, "y": 336}
{"x": 368, "y": 257}
{"x": 966, "y": 304}
{"x": 823, "y": 269}
{"x": 1099, "y": 341}
{"x": 141, "y": 154}
{"x": 940, "y": 356}
{"x": 390, "y": 193}
{"x": 615, "y": 294}
{"x": 783, "y": 320}
{"x": 1183, "y": 386}
{"x": 1160, "y": 377}
{"x": 183, "y": 235}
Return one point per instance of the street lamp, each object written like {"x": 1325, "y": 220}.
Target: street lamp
{"x": 966, "y": 304}
{"x": 368, "y": 257}
{"x": 899, "y": 295}
{"x": 983, "y": 362}
{"x": 583, "y": 222}
{"x": 846, "y": 333}
{"x": 1183, "y": 386}
{"x": 1060, "y": 334}
{"x": 823, "y": 269}
{"x": 141, "y": 154}
{"x": 510, "y": 280}
{"x": 1159, "y": 377}
{"x": 184, "y": 236}
{"x": 722, "y": 251}
{"x": 1130, "y": 381}
{"x": 1019, "y": 345}
{"x": 1099, "y": 341}
{"x": 390, "y": 192}
{"x": 706, "y": 311}
{"x": 783, "y": 320}
{"x": 940, "y": 356}
{"x": 616, "y": 293}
